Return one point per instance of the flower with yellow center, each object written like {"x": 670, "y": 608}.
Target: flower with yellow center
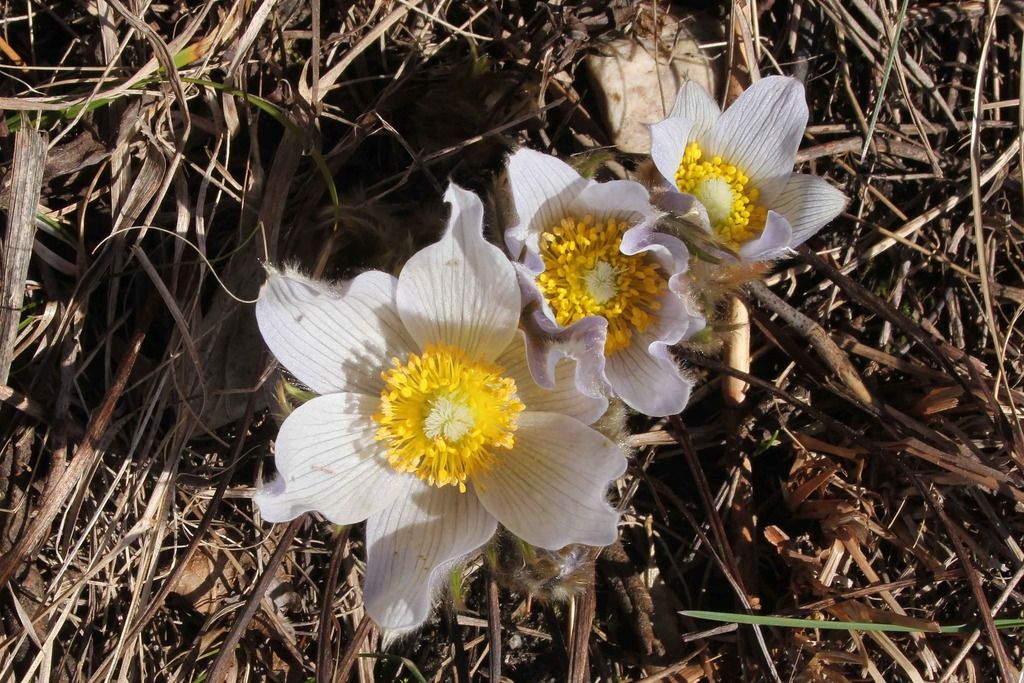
{"x": 429, "y": 424}
{"x": 601, "y": 285}
{"x": 734, "y": 170}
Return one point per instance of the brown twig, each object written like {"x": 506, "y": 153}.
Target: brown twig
{"x": 348, "y": 660}
{"x": 461, "y": 661}
{"x": 493, "y": 630}
{"x": 324, "y": 629}
{"x": 814, "y": 333}
{"x": 579, "y": 643}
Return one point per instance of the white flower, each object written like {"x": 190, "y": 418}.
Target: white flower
{"x": 599, "y": 283}
{"x": 735, "y": 169}
{"x": 428, "y": 424}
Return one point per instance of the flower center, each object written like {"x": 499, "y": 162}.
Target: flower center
{"x": 724, "y": 191}
{"x": 601, "y": 282}
{"x": 585, "y": 273}
{"x": 443, "y": 414}
{"x": 717, "y": 197}
{"x": 448, "y": 417}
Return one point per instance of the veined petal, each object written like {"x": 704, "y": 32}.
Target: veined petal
{"x": 760, "y": 133}
{"x": 615, "y": 199}
{"x": 647, "y": 378}
{"x": 775, "y": 241}
{"x": 411, "y": 546}
{"x": 328, "y": 461}
{"x": 668, "y": 142}
{"x": 547, "y": 343}
{"x": 332, "y": 339}
{"x": 562, "y": 397}
{"x": 550, "y": 490}
{"x": 696, "y": 105}
{"x": 808, "y": 203}
{"x": 543, "y": 188}
{"x": 678, "y": 320}
{"x": 462, "y": 290}
{"x": 670, "y": 251}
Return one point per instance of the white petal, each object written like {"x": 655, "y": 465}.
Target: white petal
{"x": 678, "y": 320}
{"x": 623, "y": 199}
{"x": 562, "y": 397}
{"x": 668, "y": 142}
{"x": 547, "y": 342}
{"x": 412, "y": 545}
{"x": 670, "y": 251}
{"x": 808, "y": 203}
{"x": 696, "y": 105}
{"x": 328, "y": 461}
{"x": 531, "y": 295}
{"x": 462, "y": 290}
{"x": 647, "y": 378}
{"x": 775, "y": 241}
{"x": 543, "y": 188}
{"x": 333, "y": 339}
{"x": 550, "y": 489}
{"x": 683, "y": 309}
{"x": 761, "y": 132}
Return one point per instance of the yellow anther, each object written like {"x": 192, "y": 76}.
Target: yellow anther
{"x": 587, "y": 274}
{"x": 442, "y": 415}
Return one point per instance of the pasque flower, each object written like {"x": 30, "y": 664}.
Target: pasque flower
{"x": 600, "y": 284}
{"x": 428, "y": 424}
{"x": 735, "y": 169}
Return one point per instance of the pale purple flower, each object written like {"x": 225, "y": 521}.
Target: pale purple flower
{"x": 735, "y": 169}
{"x": 599, "y": 283}
{"x": 428, "y": 424}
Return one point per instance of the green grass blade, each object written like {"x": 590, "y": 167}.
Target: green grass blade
{"x": 794, "y": 622}
{"x": 890, "y": 60}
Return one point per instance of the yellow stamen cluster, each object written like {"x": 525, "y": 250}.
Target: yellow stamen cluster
{"x": 586, "y": 274}
{"x": 442, "y": 414}
{"x": 723, "y": 190}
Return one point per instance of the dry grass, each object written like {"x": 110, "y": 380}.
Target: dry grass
{"x": 874, "y": 471}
